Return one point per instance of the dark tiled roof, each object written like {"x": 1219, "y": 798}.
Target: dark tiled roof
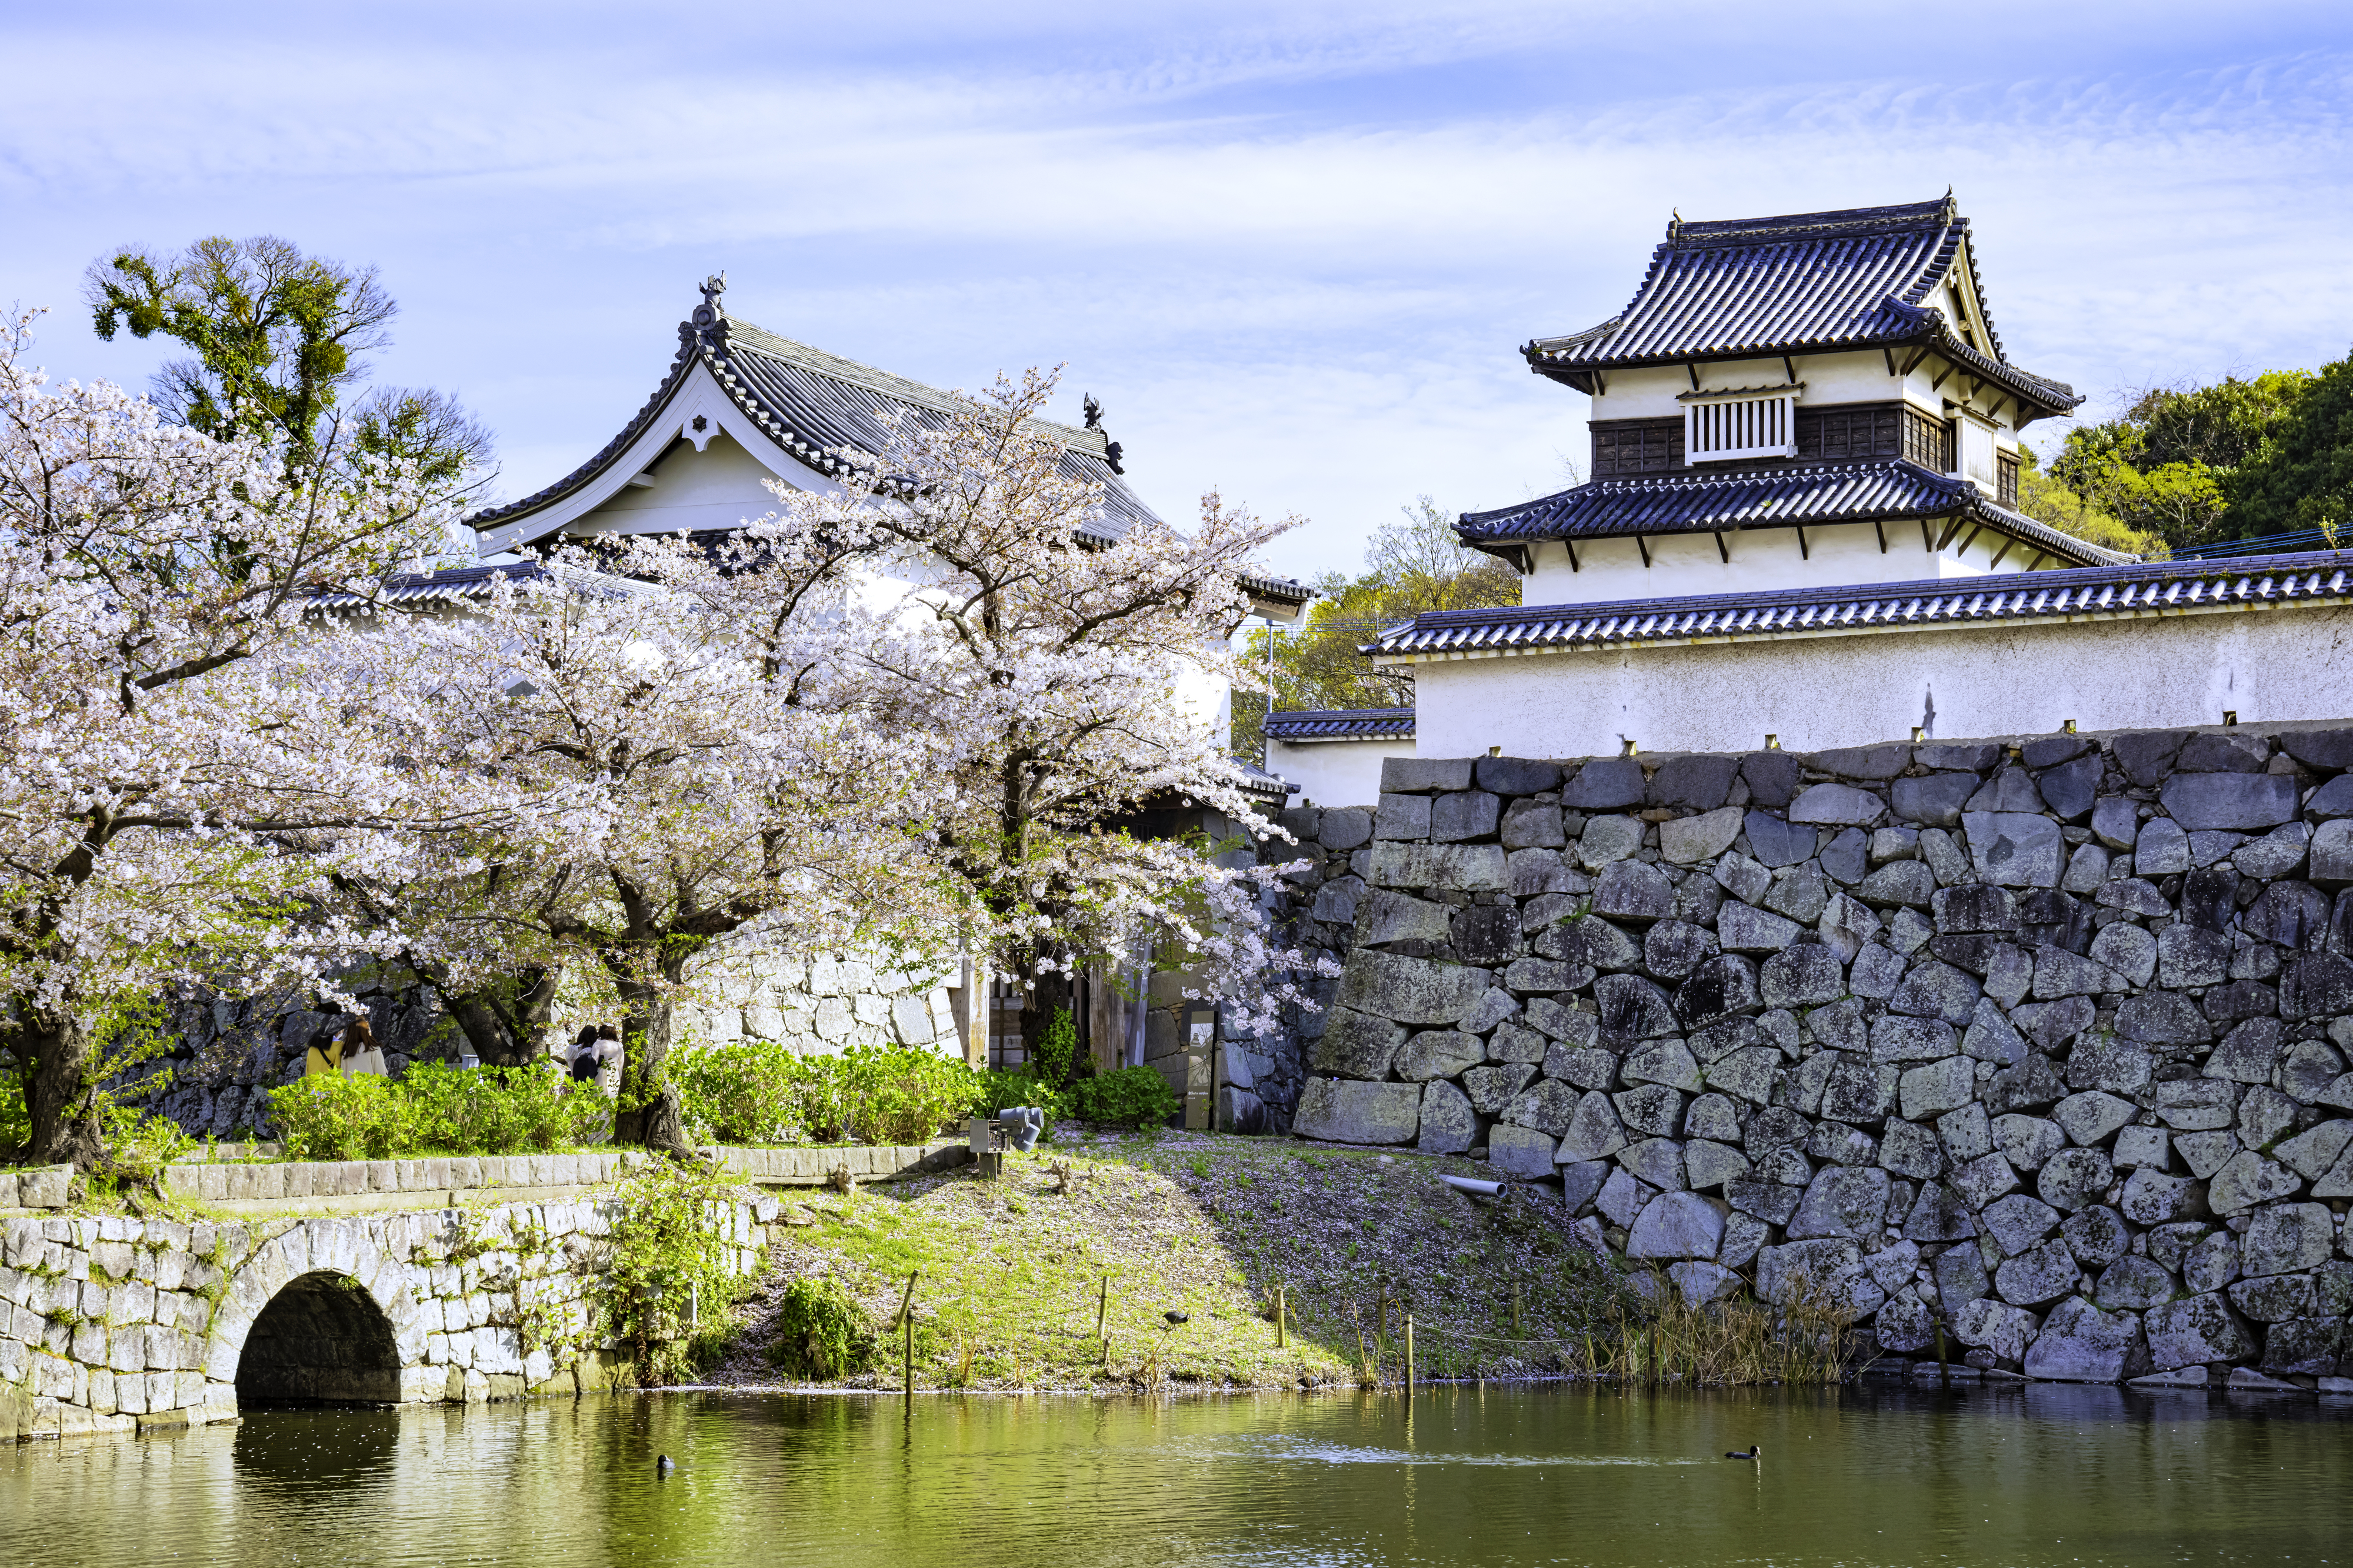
{"x": 812, "y": 402}
{"x": 1256, "y": 780}
{"x": 1340, "y": 724}
{"x": 1804, "y": 283}
{"x": 450, "y": 586}
{"x": 2090, "y": 594}
{"x": 1281, "y": 590}
{"x": 1696, "y": 501}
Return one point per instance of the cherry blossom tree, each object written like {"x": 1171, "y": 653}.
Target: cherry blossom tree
{"x": 173, "y": 718}
{"x": 1062, "y": 679}
{"x": 683, "y": 789}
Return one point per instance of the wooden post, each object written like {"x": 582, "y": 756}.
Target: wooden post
{"x": 907, "y": 1325}
{"x": 1102, "y": 1307}
{"x": 1281, "y": 1316}
{"x": 1408, "y": 1355}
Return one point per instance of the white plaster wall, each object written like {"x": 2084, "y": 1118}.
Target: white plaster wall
{"x": 720, "y": 487}
{"x": 2269, "y": 665}
{"x": 1337, "y": 773}
{"x": 1762, "y": 559}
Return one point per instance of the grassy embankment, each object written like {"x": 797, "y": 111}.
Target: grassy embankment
{"x": 1012, "y": 1269}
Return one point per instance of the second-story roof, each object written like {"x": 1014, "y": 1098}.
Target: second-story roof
{"x": 1860, "y": 278}
{"x": 1886, "y": 489}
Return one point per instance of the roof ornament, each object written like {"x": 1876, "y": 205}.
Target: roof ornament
{"x": 710, "y": 318}
{"x": 1952, "y": 208}
{"x": 1674, "y": 225}
{"x": 1093, "y": 412}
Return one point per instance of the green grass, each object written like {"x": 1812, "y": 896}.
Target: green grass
{"x": 1012, "y": 1269}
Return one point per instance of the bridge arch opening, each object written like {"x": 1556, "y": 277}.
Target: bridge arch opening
{"x": 320, "y": 1340}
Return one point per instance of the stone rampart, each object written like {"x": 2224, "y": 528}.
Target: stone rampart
{"x": 2042, "y": 1040}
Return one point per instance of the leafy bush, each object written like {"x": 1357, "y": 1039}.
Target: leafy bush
{"x": 1058, "y": 1052}
{"x": 669, "y": 1267}
{"x": 820, "y": 1333}
{"x": 1132, "y": 1097}
{"x": 746, "y": 1094}
{"x": 1000, "y": 1089}
{"x": 436, "y": 1108}
{"x": 760, "y": 1092}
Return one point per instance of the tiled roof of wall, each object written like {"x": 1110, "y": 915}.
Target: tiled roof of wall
{"x": 1340, "y": 724}
{"x": 1803, "y": 283}
{"x": 1693, "y": 501}
{"x": 2102, "y": 593}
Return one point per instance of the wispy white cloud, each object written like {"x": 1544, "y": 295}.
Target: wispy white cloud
{"x": 1294, "y": 249}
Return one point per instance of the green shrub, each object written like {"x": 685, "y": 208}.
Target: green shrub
{"x": 1058, "y": 1051}
{"x": 761, "y": 1092}
{"x": 438, "y": 1108}
{"x": 820, "y": 1333}
{"x": 1000, "y": 1089}
{"x": 1132, "y": 1097}
{"x": 747, "y": 1093}
{"x": 669, "y": 1267}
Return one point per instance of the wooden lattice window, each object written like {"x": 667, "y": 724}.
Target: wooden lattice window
{"x": 1636, "y": 447}
{"x": 1928, "y": 440}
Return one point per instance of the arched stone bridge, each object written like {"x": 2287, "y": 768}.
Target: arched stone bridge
{"x": 116, "y": 1324}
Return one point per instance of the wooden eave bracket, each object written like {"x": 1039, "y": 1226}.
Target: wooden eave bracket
{"x": 1805, "y": 552}
{"x": 1574, "y": 564}
{"x": 1959, "y": 521}
{"x": 1722, "y": 548}
{"x": 1880, "y": 528}
{"x": 1690, "y": 368}
{"x": 1914, "y": 362}
{"x": 2008, "y": 543}
{"x": 1643, "y": 544}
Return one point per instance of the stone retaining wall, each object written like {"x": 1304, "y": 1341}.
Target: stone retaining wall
{"x": 109, "y": 1325}
{"x": 2044, "y": 1039}
{"x": 223, "y": 1055}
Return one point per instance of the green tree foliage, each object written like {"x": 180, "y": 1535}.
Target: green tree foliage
{"x": 1410, "y": 566}
{"x": 2174, "y": 465}
{"x": 2302, "y": 476}
{"x": 279, "y": 340}
{"x": 2049, "y": 501}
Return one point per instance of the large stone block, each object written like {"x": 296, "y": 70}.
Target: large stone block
{"x": 1843, "y": 1201}
{"x": 2012, "y": 849}
{"x": 2235, "y": 801}
{"x": 1436, "y": 1054}
{"x": 1520, "y": 1151}
{"x": 2033, "y": 1277}
{"x": 2080, "y": 1343}
{"x": 1346, "y": 1111}
{"x": 2002, "y": 1332}
{"x": 1677, "y": 1226}
{"x": 2197, "y": 1330}
{"x": 1410, "y": 990}
{"x": 1462, "y": 867}
{"x": 1687, "y": 840}
{"x": 1356, "y": 1045}
{"x": 1424, "y": 776}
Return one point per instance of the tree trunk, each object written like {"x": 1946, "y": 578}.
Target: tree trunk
{"x": 507, "y": 1025}
{"x": 650, "y": 1115}
{"x": 60, "y": 1090}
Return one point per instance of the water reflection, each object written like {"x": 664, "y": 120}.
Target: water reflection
{"x": 2043, "y": 1474}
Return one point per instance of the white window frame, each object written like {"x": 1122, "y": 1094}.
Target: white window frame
{"x": 1726, "y": 426}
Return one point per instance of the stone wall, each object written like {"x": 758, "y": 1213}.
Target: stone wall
{"x": 2043, "y": 1040}
{"x": 222, "y": 1056}
{"x": 112, "y": 1324}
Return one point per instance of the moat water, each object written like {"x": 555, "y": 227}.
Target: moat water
{"x": 2045, "y": 1474}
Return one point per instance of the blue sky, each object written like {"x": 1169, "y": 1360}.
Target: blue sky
{"x": 1293, "y": 249}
